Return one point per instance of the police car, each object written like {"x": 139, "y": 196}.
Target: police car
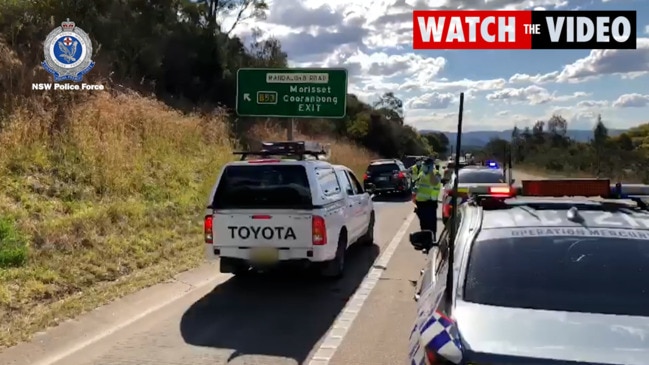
{"x": 302, "y": 210}
{"x": 477, "y": 179}
{"x": 556, "y": 272}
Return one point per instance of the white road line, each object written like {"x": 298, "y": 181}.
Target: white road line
{"x": 101, "y": 335}
{"x": 345, "y": 319}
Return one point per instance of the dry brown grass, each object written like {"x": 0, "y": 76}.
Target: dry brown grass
{"x": 100, "y": 195}
{"x": 342, "y": 152}
{"x": 106, "y": 206}
{"x": 109, "y": 206}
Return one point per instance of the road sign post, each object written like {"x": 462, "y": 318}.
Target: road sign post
{"x": 292, "y": 93}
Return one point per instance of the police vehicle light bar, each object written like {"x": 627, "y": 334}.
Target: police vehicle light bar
{"x": 567, "y": 187}
{"x": 300, "y": 149}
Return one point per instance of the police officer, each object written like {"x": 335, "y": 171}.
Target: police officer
{"x": 416, "y": 168}
{"x": 427, "y": 188}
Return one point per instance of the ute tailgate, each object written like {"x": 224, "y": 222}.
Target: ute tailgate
{"x": 262, "y": 228}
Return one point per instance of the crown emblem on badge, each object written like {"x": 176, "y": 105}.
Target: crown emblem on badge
{"x": 67, "y": 25}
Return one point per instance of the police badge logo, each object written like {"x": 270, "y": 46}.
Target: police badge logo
{"x": 68, "y": 52}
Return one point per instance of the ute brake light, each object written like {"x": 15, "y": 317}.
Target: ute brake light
{"x": 567, "y": 187}
{"x": 401, "y": 175}
{"x": 365, "y": 176}
{"x": 208, "y": 229}
{"x": 501, "y": 191}
{"x": 318, "y": 231}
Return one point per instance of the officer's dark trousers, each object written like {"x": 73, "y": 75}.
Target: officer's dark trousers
{"x": 427, "y": 214}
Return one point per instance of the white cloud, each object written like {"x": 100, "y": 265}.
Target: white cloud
{"x": 626, "y": 63}
{"x": 434, "y": 100}
{"x": 631, "y": 101}
{"x": 534, "y": 79}
{"x": 593, "y": 103}
{"x": 534, "y": 95}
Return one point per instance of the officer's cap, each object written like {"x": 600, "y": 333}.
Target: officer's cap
{"x": 429, "y": 161}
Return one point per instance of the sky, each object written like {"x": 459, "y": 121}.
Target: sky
{"x": 372, "y": 39}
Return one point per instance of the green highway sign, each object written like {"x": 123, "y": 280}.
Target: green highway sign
{"x": 292, "y": 93}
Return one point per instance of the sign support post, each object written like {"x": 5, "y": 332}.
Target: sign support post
{"x": 290, "y": 125}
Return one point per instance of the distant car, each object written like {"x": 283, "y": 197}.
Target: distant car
{"x": 410, "y": 161}
{"x": 471, "y": 177}
{"x": 538, "y": 279}
{"x": 387, "y": 176}
{"x": 450, "y": 169}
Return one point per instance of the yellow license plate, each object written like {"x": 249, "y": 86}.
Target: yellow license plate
{"x": 264, "y": 255}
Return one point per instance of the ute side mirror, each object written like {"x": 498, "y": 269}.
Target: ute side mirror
{"x": 422, "y": 240}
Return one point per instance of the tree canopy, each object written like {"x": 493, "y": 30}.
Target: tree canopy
{"x": 546, "y": 145}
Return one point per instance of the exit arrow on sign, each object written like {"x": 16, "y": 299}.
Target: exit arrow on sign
{"x": 292, "y": 93}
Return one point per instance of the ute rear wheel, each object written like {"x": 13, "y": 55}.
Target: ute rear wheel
{"x": 368, "y": 237}
{"x": 334, "y": 269}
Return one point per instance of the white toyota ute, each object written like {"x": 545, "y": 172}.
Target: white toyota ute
{"x": 291, "y": 209}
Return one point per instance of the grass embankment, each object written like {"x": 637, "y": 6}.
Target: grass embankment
{"x": 108, "y": 206}
{"x": 545, "y": 173}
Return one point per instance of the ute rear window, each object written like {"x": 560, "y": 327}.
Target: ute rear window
{"x": 263, "y": 186}
{"x": 606, "y": 275}
{"x": 383, "y": 168}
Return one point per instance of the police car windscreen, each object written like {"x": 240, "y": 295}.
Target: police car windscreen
{"x": 480, "y": 177}
{"x": 383, "y": 168}
{"x": 263, "y": 186}
{"x": 595, "y": 273}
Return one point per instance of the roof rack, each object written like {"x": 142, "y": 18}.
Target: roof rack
{"x": 298, "y": 149}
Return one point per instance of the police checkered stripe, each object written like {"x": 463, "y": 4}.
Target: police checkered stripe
{"x": 435, "y": 334}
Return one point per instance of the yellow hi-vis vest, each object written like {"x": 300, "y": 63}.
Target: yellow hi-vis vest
{"x": 428, "y": 187}
{"x": 415, "y": 171}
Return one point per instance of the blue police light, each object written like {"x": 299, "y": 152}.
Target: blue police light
{"x": 492, "y": 164}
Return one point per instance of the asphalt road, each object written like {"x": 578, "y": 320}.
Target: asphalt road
{"x": 265, "y": 320}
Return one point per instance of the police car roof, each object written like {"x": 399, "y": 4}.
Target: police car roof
{"x": 548, "y": 212}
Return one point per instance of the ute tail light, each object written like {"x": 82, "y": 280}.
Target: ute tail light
{"x": 365, "y": 176}
{"x": 401, "y": 175}
{"x": 319, "y": 231}
{"x": 208, "y": 229}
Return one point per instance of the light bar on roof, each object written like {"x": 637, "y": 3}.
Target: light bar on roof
{"x": 567, "y": 187}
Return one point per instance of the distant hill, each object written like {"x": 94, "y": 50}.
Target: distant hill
{"x": 480, "y": 138}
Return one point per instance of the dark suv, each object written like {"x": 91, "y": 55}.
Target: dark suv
{"x": 387, "y": 176}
